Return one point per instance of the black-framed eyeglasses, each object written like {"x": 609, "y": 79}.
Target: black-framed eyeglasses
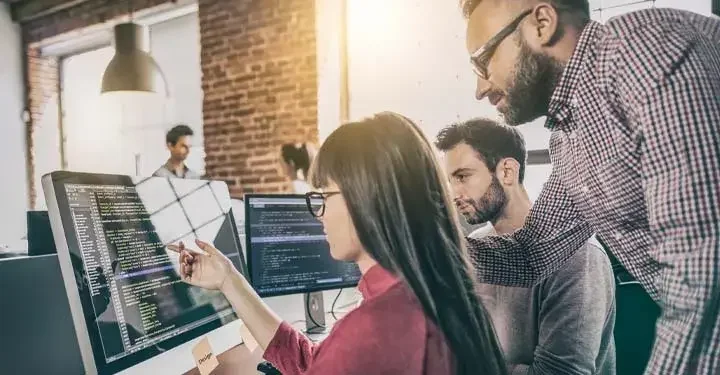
{"x": 481, "y": 57}
{"x": 316, "y": 201}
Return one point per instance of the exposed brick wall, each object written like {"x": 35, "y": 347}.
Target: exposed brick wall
{"x": 259, "y": 80}
{"x": 42, "y": 80}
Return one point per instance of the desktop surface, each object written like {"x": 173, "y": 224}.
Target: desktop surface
{"x": 128, "y": 302}
{"x": 287, "y": 250}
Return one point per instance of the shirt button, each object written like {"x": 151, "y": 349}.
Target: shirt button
{"x": 618, "y": 236}
{"x": 585, "y": 189}
{"x": 574, "y": 102}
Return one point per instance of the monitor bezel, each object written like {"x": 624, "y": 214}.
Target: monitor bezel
{"x": 94, "y": 360}
{"x": 249, "y": 249}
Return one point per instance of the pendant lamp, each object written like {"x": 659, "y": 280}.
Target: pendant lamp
{"x": 132, "y": 69}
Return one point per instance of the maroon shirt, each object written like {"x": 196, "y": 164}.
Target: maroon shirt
{"x": 387, "y": 334}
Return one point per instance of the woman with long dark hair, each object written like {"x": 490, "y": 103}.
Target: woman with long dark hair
{"x": 386, "y": 207}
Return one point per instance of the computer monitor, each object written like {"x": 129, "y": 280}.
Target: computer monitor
{"x": 287, "y": 250}
{"x": 131, "y": 311}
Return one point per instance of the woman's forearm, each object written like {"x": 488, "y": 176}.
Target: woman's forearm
{"x": 257, "y": 316}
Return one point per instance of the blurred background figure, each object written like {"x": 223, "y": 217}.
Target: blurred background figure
{"x": 179, "y": 142}
{"x": 296, "y": 160}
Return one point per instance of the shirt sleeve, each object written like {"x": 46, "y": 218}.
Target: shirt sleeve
{"x": 348, "y": 350}
{"x": 576, "y": 316}
{"x": 668, "y": 86}
{"x": 553, "y": 231}
{"x": 289, "y": 351}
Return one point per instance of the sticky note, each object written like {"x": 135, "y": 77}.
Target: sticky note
{"x": 204, "y": 357}
{"x": 250, "y": 342}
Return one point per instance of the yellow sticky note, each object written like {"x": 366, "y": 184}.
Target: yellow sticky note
{"x": 248, "y": 339}
{"x": 204, "y": 357}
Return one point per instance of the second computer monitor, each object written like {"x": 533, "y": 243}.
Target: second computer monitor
{"x": 287, "y": 251}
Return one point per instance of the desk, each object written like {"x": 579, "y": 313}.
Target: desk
{"x": 240, "y": 361}
{"x": 236, "y": 361}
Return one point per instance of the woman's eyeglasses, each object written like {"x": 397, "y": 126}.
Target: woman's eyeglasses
{"x": 316, "y": 201}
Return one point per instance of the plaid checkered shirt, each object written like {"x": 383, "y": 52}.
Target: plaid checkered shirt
{"x": 635, "y": 147}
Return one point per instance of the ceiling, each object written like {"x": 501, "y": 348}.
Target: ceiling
{"x": 26, "y": 10}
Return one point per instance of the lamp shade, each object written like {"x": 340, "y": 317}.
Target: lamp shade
{"x": 132, "y": 68}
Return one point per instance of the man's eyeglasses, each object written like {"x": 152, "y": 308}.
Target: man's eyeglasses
{"x": 316, "y": 202}
{"x": 481, "y": 58}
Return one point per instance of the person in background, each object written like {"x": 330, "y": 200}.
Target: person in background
{"x": 296, "y": 160}
{"x": 563, "y": 325}
{"x": 420, "y": 313}
{"x": 178, "y": 141}
{"x": 634, "y": 110}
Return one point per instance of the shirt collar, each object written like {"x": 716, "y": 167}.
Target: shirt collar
{"x": 376, "y": 281}
{"x": 172, "y": 170}
{"x": 562, "y": 97}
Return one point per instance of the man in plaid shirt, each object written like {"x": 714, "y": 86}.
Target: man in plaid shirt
{"x": 634, "y": 110}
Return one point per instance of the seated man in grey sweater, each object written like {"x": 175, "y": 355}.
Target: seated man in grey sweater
{"x": 563, "y": 325}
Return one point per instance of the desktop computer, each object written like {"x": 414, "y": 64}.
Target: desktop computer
{"x": 288, "y": 253}
{"x": 131, "y": 311}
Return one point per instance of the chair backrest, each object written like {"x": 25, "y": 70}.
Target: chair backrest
{"x": 38, "y": 336}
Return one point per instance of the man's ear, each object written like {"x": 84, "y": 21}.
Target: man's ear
{"x": 544, "y": 22}
{"x": 507, "y": 171}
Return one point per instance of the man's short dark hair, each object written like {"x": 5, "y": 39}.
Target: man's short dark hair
{"x": 491, "y": 141}
{"x": 578, "y": 10}
{"x": 173, "y": 135}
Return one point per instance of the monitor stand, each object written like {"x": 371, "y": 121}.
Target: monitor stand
{"x": 314, "y": 312}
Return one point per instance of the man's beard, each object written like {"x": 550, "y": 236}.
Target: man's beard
{"x": 534, "y": 80}
{"x": 489, "y": 207}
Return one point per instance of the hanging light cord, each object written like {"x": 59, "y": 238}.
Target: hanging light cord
{"x": 130, "y": 10}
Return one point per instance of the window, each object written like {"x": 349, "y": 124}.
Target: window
{"x": 105, "y": 135}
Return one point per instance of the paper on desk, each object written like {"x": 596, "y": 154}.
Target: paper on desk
{"x": 250, "y": 342}
{"x": 204, "y": 357}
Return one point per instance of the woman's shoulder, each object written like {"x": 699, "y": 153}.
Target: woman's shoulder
{"x": 389, "y": 330}
{"x": 396, "y": 309}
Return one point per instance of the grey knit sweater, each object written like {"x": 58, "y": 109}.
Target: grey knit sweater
{"x": 563, "y": 325}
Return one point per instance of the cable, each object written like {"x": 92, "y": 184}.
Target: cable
{"x": 332, "y": 309}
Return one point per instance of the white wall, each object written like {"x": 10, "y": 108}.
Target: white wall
{"x": 409, "y": 56}
{"x": 175, "y": 45}
{"x": 91, "y": 135}
{"x": 328, "y": 33}
{"x": 13, "y": 190}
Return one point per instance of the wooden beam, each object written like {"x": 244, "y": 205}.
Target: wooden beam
{"x": 26, "y": 11}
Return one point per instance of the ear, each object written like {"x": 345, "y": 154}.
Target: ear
{"x": 543, "y": 27}
{"x": 508, "y": 171}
